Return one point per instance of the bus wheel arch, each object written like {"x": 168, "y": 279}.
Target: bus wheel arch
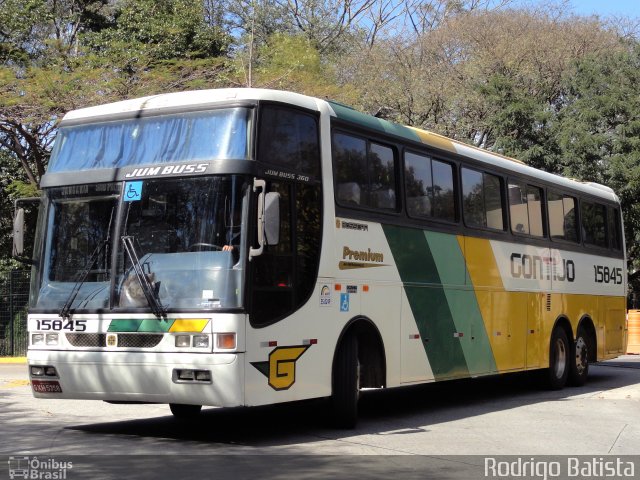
{"x": 358, "y": 362}
{"x": 560, "y": 350}
{"x": 583, "y": 351}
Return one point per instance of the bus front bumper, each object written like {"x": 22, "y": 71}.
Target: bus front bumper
{"x": 140, "y": 377}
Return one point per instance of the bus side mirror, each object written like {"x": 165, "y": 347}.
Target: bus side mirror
{"x": 19, "y": 230}
{"x": 18, "y": 233}
{"x": 272, "y": 218}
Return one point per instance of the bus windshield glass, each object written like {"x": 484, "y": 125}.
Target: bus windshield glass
{"x": 208, "y": 135}
{"x": 186, "y": 235}
{"x": 79, "y": 223}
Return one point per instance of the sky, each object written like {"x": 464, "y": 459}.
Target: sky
{"x": 605, "y": 8}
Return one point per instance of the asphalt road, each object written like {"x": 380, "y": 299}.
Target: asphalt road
{"x": 506, "y": 415}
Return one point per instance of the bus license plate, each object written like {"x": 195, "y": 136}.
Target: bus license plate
{"x": 46, "y": 386}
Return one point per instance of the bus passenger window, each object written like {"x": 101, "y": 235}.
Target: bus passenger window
{"x": 482, "y": 199}
{"x": 615, "y": 234}
{"x": 525, "y": 208}
{"x": 289, "y": 139}
{"x": 562, "y": 217}
{"x": 593, "y": 226}
{"x": 365, "y": 173}
{"x": 382, "y": 177}
{"x": 350, "y": 161}
{"x": 444, "y": 206}
{"x": 429, "y": 186}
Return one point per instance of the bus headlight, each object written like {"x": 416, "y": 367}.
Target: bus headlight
{"x": 201, "y": 341}
{"x": 52, "y": 339}
{"x": 37, "y": 339}
{"x": 183, "y": 341}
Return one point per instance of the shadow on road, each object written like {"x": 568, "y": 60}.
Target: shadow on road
{"x": 397, "y": 411}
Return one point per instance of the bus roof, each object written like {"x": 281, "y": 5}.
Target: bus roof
{"x": 203, "y": 98}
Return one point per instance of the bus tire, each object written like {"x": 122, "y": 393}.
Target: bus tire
{"x": 181, "y": 410}
{"x": 346, "y": 384}
{"x": 559, "y": 360}
{"x": 580, "y": 360}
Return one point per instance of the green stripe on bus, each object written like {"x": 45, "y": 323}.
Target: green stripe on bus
{"x": 351, "y": 115}
{"x": 146, "y": 325}
{"x": 462, "y": 302}
{"x": 124, "y": 325}
{"x": 153, "y": 325}
{"x": 428, "y": 301}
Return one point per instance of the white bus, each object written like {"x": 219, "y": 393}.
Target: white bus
{"x": 243, "y": 247}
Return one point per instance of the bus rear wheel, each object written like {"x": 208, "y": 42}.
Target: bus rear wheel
{"x": 346, "y": 384}
{"x": 580, "y": 364}
{"x": 181, "y": 410}
{"x": 559, "y": 360}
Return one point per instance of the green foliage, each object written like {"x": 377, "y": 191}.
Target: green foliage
{"x": 598, "y": 131}
{"x": 21, "y": 189}
{"x": 519, "y": 122}
{"x": 148, "y": 31}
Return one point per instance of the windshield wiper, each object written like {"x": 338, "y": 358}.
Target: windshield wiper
{"x": 82, "y": 276}
{"x": 147, "y": 289}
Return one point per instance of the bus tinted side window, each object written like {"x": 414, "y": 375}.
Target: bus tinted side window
{"x": 365, "y": 173}
{"x": 289, "y": 139}
{"x": 593, "y": 226}
{"x": 615, "y": 234}
{"x": 482, "y": 199}
{"x": 525, "y": 207}
{"x": 562, "y": 217}
{"x": 429, "y": 186}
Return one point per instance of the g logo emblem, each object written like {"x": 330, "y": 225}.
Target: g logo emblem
{"x": 281, "y": 367}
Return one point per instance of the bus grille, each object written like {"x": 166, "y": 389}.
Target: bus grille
{"x": 125, "y": 340}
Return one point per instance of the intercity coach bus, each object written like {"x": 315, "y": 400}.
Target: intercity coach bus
{"x": 242, "y": 247}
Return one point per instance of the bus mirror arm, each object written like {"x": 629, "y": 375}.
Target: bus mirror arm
{"x": 259, "y": 185}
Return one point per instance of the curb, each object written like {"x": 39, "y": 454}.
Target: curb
{"x": 13, "y": 360}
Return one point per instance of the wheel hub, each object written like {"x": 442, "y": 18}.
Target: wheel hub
{"x": 581, "y": 355}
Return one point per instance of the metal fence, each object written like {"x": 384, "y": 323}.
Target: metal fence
{"x": 14, "y": 296}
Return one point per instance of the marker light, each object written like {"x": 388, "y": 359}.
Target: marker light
{"x": 183, "y": 341}
{"x": 226, "y": 341}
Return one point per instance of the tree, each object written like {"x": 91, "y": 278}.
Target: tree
{"x": 598, "y": 131}
{"x": 456, "y": 78}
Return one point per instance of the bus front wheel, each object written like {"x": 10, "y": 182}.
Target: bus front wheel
{"x": 181, "y": 410}
{"x": 559, "y": 358}
{"x": 346, "y": 384}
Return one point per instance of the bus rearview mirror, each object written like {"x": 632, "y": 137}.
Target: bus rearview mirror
{"x": 272, "y": 218}
{"x": 18, "y": 233}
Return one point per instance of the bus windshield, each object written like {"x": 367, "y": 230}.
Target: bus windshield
{"x": 215, "y": 134}
{"x": 187, "y": 236}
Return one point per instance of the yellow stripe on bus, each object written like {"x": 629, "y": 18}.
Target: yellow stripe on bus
{"x": 497, "y": 306}
{"x": 435, "y": 140}
{"x": 189, "y": 325}
{"x": 519, "y": 324}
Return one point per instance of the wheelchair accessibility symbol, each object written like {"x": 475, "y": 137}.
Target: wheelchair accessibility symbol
{"x": 344, "y": 302}
{"x": 132, "y": 191}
